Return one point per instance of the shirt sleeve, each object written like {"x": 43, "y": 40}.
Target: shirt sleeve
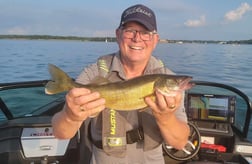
{"x": 88, "y": 74}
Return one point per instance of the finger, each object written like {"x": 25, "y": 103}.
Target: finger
{"x": 74, "y": 115}
{"x": 73, "y": 94}
{"x": 153, "y": 105}
{"x": 92, "y": 104}
{"x": 76, "y": 92}
{"x": 92, "y": 109}
{"x": 174, "y": 101}
{"x": 161, "y": 100}
{"x": 168, "y": 102}
{"x": 150, "y": 103}
{"x": 95, "y": 111}
{"x": 70, "y": 102}
{"x": 84, "y": 99}
{"x": 171, "y": 102}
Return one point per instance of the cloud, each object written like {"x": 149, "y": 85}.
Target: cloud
{"x": 196, "y": 23}
{"x": 237, "y": 14}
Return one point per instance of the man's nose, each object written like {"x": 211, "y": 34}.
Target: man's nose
{"x": 137, "y": 37}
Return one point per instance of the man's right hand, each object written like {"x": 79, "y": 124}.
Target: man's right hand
{"x": 81, "y": 103}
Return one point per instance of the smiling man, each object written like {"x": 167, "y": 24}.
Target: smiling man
{"x": 119, "y": 136}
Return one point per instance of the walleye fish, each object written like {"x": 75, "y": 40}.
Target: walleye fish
{"x": 124, "y": 95}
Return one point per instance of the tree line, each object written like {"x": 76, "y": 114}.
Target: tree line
{"x": 51, "y": 37}
{"x": 113, "y": 39}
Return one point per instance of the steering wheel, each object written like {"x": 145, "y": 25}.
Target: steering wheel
{"x": 190, "y": 150}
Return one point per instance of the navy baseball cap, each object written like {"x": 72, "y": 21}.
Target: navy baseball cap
{"x": 141, "y": 14}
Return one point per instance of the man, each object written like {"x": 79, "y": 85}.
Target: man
{"x": 126, "y": 137}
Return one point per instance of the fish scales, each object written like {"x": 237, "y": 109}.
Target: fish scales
{"x": 124, "y": 95}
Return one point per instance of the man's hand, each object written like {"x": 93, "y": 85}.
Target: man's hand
{"x": 163, "y": 106}
{"x": 82, "y": 103}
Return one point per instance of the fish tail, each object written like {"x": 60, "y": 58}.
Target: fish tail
{"x": 60, "y": 81}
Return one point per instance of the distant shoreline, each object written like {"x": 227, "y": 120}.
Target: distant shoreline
{"x": 51, "y": 37}
{"x": 113, "y": 39}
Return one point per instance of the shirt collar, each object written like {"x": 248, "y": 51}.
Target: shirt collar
{"x": 116, "y": 65}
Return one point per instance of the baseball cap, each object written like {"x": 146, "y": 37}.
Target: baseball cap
{"x": 140, "y": 14}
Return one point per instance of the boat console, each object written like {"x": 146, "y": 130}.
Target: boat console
{"x": 218, "y": 117}
{"x": 30, "y": 140}
{"x": 213, "y": 115}
{"x": 40, "y": 142}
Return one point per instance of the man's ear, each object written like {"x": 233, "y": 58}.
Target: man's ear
{"x": 156, "y": 40}
{"x": 118, "y": 34}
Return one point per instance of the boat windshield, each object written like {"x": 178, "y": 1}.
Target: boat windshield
{"x": 26, "y": 101}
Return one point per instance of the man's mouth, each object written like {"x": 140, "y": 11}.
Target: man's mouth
{"x": 136, "y": 47}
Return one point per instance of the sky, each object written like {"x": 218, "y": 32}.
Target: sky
{"x": 176, "y": 19}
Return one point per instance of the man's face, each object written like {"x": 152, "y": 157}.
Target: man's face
{"x": 136, "y": 43}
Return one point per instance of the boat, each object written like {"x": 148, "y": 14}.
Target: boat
{"x": 218, "y": 116}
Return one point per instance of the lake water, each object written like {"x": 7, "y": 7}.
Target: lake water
{"x": 23, "y": 60}
{"x": 26, "y": 60}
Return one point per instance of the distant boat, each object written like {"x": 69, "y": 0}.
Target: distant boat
{"x": 222, "y": 42}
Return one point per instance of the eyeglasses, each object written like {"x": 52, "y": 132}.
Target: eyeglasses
{"x": 144, "y": 35}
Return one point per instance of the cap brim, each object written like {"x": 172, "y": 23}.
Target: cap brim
{"x": 146, "y": 24}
